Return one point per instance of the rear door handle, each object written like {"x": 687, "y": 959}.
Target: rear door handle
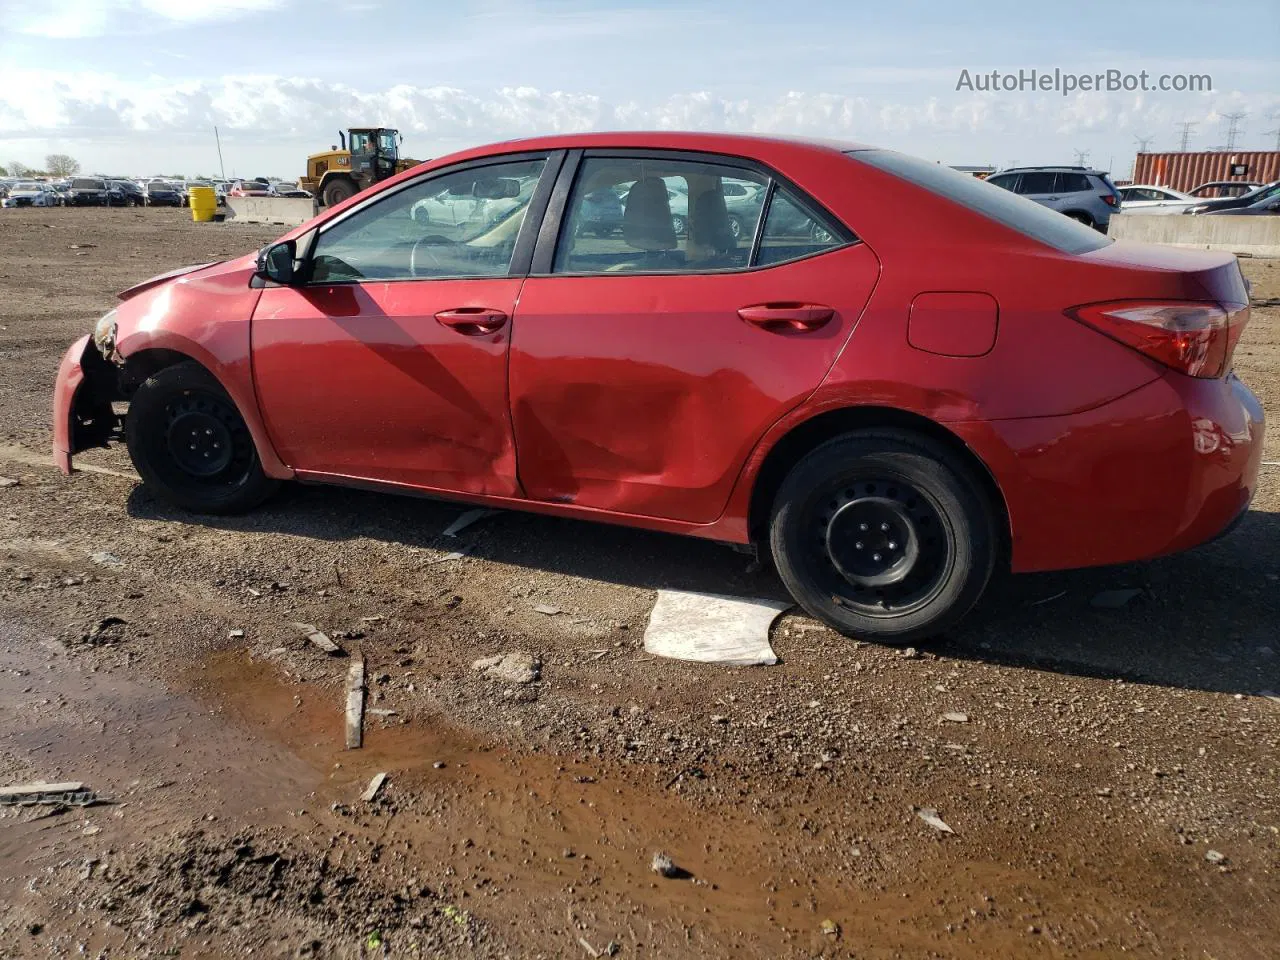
{"x": 472, "y": 321}
{"x": 787, "y": 317}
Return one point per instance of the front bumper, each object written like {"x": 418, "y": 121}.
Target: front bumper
{"x": 82, "y": 412}
{"x": 1163, "y": 469}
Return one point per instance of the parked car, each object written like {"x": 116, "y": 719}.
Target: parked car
{"x": 1235, "y": 203}
{"x": 482, "y": 201}
{"x": 1149, "y": 199}
{"x": 159, "y": 193}
{"x": 125, "y": 193}
{"x": 1223, "y": 189}
{"x": 29, "y": 193}
{"x": 87, "y": 192}
{"x": 1082, "y": 194}
{"x": 1267, "y": 206}
{"x": 601, "y": 213}
{"x": 250, "y": 188}
{"x": 891, "y": 427}
{"x": 289, "y": 190}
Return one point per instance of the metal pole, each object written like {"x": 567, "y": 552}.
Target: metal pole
{"x": 222, "y": 169}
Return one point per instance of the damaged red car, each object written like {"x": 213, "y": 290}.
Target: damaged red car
{"x": 891, "y": 377}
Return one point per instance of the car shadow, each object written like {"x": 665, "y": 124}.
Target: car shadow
{"x": 1202, "y": 620}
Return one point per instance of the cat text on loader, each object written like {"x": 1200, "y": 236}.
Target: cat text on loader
{"x": 368, "y": 156}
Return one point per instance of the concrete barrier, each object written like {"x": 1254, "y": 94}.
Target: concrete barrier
{"x": 1255, "y": 236}
{"x": 281, "y": 210}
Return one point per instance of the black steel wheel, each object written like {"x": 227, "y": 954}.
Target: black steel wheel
{"x": 191, "y": 445}
{"x": 884, "y": 535}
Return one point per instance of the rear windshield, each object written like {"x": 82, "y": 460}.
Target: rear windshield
{"x": 1026, "y": 216}
{"x": 88, "y": 185}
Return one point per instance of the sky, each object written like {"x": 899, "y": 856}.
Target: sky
{"x": 136, "y": 87}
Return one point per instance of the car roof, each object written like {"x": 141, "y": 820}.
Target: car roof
{"x": 1055, "y": 168}
{"x": 729, "y": 143}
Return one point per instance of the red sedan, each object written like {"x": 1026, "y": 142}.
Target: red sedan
{"x": 892, "y": 376}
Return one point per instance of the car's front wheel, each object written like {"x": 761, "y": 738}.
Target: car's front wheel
{"x": 884, "y": 535}
{"x": 190, "y": 444}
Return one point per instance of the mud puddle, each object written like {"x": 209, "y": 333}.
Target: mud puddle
{"x": 548, "y": 850}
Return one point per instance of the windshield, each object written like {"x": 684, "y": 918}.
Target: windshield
{"x": 26, "y": 185}
{"x": 996, "y": 203}
{"x": 88, "y": 185}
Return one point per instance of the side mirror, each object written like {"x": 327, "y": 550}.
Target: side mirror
{"x": 275, "y": 263}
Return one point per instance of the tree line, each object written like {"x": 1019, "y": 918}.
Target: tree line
{"x": 55, "y": 165}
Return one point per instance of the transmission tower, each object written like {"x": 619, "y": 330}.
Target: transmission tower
{"x": 1143, "y": 143}
{"x": 1082, "y": 157}
{"x": 1233, "y": 127}
{"x": 1187, "y": 126}
{"x": 1274, "y": 115}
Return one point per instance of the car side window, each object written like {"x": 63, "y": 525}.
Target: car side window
{"x": 461, "y": 224}
{"x": 1006, "y": 181}
{"x": 656, "y": 215}
{"x": 1036, "y": 183}
{"x": 1072, "y": 183}
{"x": 791, "y": 231}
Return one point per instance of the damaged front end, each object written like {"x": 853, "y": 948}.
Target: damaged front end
{"x": 84, "y": 413}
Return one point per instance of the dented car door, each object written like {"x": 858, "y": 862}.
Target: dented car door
{"x": 643, "y": 374}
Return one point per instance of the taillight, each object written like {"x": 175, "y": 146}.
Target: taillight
{"x": 1193, "y": 337}
{"x": 1110, "y": 199}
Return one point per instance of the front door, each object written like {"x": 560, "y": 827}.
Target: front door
{"x": 648, "y": 361}
{"x": 390, "y": 362}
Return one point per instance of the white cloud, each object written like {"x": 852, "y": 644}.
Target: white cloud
{"x": 277, "y": 119}
{"x": 68, "y": 19}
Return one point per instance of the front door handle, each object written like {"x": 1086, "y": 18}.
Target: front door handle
{"x": 472, "y": 321}
{"x": 787, "y": 317}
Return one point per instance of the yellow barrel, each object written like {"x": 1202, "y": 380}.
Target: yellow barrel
{"x": 204, "y": 204}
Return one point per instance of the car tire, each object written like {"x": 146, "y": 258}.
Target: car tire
{"x": 218, "y": 471}
{"x": 335, "y": 191}
{"x": 735, "y": 226}
{"x": 930, "y": 542}
{"x": 1081, "y": 218}
{"x": 679, "y": 224}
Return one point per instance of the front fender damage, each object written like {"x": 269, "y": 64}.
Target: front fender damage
{"x": 92, "y": 417}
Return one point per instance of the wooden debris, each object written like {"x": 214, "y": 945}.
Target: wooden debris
{"x": 320, "y": 640}
{"x": 70, "y": 793}
{"x": 375, "y": 785}
{"x": 355, "y": 704}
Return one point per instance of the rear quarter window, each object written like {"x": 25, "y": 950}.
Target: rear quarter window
{"x": 1025, "y": 216}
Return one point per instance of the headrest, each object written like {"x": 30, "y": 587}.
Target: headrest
{"x": 709, "y": 223}
{"x": 646, "y": 223}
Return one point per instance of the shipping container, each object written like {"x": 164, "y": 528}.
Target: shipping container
{"x": 1186, "y": 171}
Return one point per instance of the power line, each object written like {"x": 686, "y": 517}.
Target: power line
{"x": 1273, "y": 133}
{"x": 1187, "y": 126}
{"x": 1233, "y": 127}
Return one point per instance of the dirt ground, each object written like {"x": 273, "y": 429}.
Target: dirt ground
{"x": 1113, "y": 789}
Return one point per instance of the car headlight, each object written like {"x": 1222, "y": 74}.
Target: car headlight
{"x": 104, "y": 334}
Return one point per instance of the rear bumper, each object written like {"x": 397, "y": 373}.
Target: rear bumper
{"x": 1163, "y": 469}
{"x": 65, "y": 390}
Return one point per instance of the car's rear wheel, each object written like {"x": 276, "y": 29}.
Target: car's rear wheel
{"x": 679, "y": 225}
{"x": 1082, "y": 218}
{"x": 884, "y": 535}
{"x": 191, "y": 445}
{"x": 735, "y": 226}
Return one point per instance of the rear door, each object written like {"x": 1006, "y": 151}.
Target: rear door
{"x": 646, "y": 364}
{"x": 1039, "y": 185}
{"x": 390, "y": 362}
